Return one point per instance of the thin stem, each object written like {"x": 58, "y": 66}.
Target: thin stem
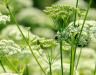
{"x": 50, "y": 65}
{"x": 50, "y": 61}
{"x": 73, "y": 50}
{"x": 2, "y": 66}
{"x": 25, "y": 39}
{"x": 78, "y": 58}
{"x": 11, "y": 64}
{"x": 82, "y": 29}
{"x": 85, "y": 18}
{"x": 8, "y": 62}
{"x": 72, "y": 60}
{"x": 55, "y": 58}
{"x": 28, "y": 37}
{"x": 95, "y": 69}
{"x": 61, "y": 54}
{"x": 61, "y": 28}
{"x": 76, "y": 12}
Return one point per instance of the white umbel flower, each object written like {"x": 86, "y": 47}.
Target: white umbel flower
{"x": 13, "y": 32}
{"x": 8, "y": 47}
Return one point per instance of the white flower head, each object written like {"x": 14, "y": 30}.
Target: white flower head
{"x": 8, "y": 47}
{"x": 4, "y": 19}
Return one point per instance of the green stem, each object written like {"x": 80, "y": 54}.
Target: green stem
{"x": 50, "y": 65}
{"x": 25, "y": 39}
{"x": 61, "y": 54}
{"x": 72, "y": 60}
{"x": 2, "y": 66}
{"x": 61, "y": 28}
{"x": 73, "y": 46}
{"x": 95, "y": 69}
{"x": 8, "y": 63}
{"x": 82, "y": 30}
{"x": 75, "y": 12}
{"x": 85, "y": 18}
{"x": 78, "y": 58}
{"x": 50, "y": 61}
{"x": 11, "y": 64}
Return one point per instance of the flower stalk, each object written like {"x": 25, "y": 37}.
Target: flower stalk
{"x": 7, "y": 6}
{"x": 81, "y": 32}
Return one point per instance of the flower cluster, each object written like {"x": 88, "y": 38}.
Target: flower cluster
{"x": 44, "y": 43}
{"x": 88, "y": 32}
{"x": 66, "y": 13}
{"x": 13, "y": 32}
{"x": 8, "y": 47}
{"x": 4, "y": 19}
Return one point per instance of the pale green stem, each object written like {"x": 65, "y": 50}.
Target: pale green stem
{"x": 61, "y": 54}
{"x": 50, "y": 62}
{"x": 82, "y": 30}
{"x": 78, "y": 58}
{"x": 95, "y": 69}
{"x": 2, "y": 66}
{"x": 73, "y": 50}
{"x": 25, "y": 39}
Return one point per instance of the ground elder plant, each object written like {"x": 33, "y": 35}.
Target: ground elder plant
{"x": 63, "y": 15}
{"x": 25, "y": 53}
{"x": 57, "y": 13}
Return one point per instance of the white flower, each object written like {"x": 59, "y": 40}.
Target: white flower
{"x": 13, "y": 32}
{"x": 4, "y": 19}
{"x": 8, "y": 47}
{"x": 88, "y": 32}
